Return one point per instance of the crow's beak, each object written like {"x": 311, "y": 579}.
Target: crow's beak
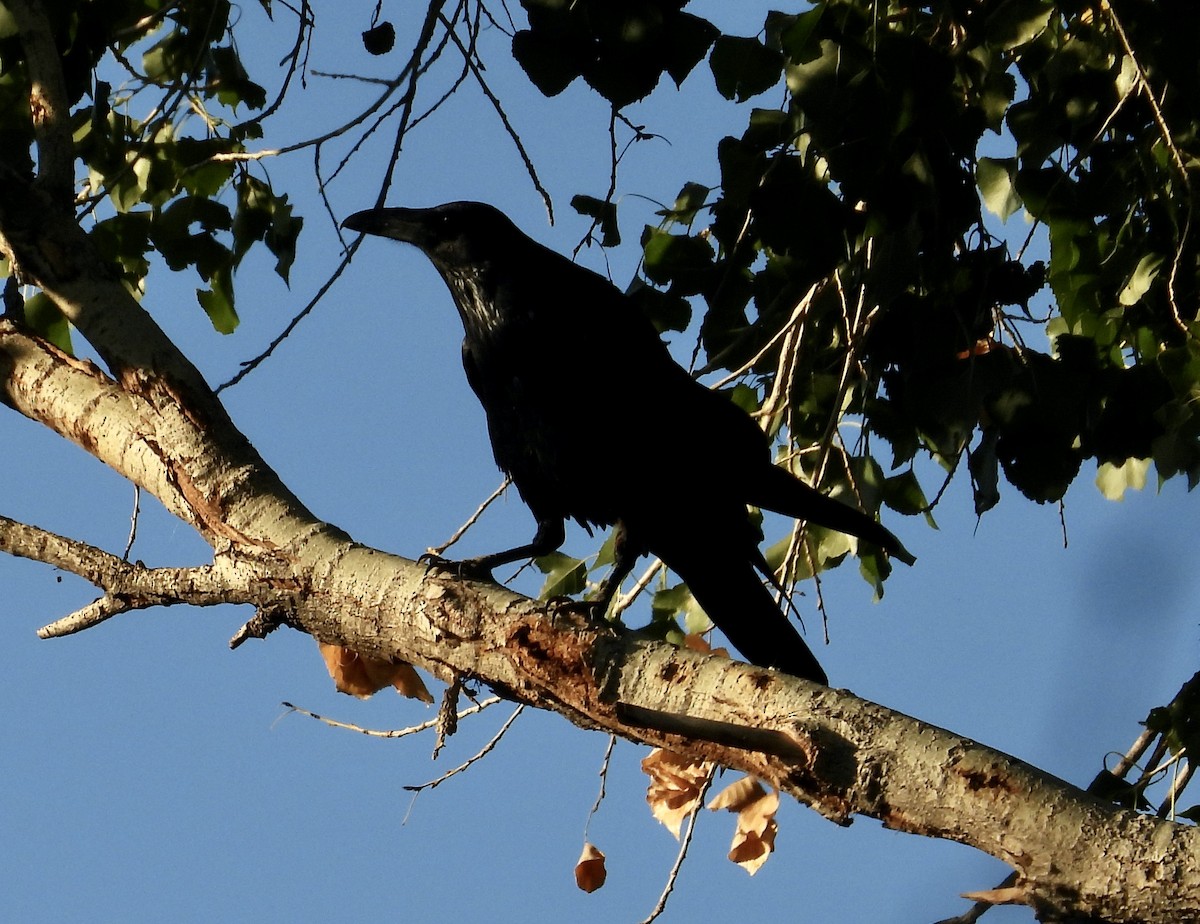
{"x": 398, "y": 224}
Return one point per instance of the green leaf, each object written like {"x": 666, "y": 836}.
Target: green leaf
{"x": 687, "y": 39}
{"x": 282, "y": 237}
{"x": 200, "y": 175}
{"x": 607, "y": 553}
{"x": 672, "y": 603}
{"x": 744, "y": 397}
{"x": 1012, "y": 23}
{"x": 1142, "y": 278}
{"x": 564, "y": 575}
{"x": 173, "y": 238}
{"x": 604, "y": 212}
{"x": 794, "y": 34}
{"x": 46, "y": 320}
{"x": 8, "y": 25}
{"x": 666, "y": 310}
{"x": 903, "y": 494}
{"x": 668, "y": 601}
{"x": 675, "y": 257}
{"x": 985, "y": 472}
{"x": 217, "y": 301}
{"x": 997, "y": 183}
{"x": 691, "y": 199}
{"x": 165, "y": 60}
{"x": 744, "y": 67}
{"x": 550, "y": 65}
{"x": 230, "y": 83}
{"x": 1114, "y": 480}
{"x": 263, "y": 216}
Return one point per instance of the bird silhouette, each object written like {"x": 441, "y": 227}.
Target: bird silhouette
{"x": 594, "y": 421}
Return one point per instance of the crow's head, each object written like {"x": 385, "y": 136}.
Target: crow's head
{"x": 474, "y": 247}
{"x": 456, "y": 235}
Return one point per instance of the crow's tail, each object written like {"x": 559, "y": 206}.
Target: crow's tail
{"x": 734, "y": 598}
{"x": 779, "y": 490}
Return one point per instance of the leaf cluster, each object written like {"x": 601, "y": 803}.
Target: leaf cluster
{"x": 168, "y": 185}
{"x": 863, "y": 212}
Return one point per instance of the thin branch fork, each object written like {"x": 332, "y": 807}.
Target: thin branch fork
{"x": 131, "y": 585}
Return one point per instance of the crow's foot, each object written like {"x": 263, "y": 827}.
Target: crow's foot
{"x": 468, "y": 569}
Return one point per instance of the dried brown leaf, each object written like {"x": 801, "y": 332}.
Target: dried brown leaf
{"x": 754, "y": 839}
{"x": 676, "y": 784}
{"x": 590, "y": 871}
{"x": 363, "y": 676}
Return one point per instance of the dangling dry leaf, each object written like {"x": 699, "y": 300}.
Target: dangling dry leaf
{"x": 408, "y": 682}
{"x": 589, "y": 871}
{"x": 675, "y": 786}
{"x": 754, "y": 839}
{"x": 362, "y": 676}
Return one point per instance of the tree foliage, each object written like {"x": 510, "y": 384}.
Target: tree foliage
{"x": 850, "y": 259}
{"x": 863, "y": 210}
{"x": 165, "y": 186}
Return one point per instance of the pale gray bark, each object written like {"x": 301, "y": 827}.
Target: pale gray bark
{"x": 839, "y": 754}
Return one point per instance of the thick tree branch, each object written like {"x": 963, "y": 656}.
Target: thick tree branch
{"x": 843, "y": 756}
{"x": 48, "y": 104}
{"x": 208, "y": 476}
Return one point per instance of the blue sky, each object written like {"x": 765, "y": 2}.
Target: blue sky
{"x": 149, "y": 773}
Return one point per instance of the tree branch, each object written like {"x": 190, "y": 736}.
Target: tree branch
{"x": 849, "y": 757}
{"x": 132, "y": 586}
{"x": 47, "y": 100}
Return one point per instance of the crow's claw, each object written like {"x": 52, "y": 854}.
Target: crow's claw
{"x": 468, "y": 569}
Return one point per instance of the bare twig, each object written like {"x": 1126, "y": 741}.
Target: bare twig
{"x": 251, "y": 364}
{"x": 130, "y": 585}
{"x": 473, "y": 518}
{"x": 684, "y": 842}
{"x": 466, "y": 764}
{"x": 624, "y": 601}
{"x": 608, "y": 752}
{"x": 133, "y": 522}
{"x": 391, "y": 733}
{"x": 469, "y": 58}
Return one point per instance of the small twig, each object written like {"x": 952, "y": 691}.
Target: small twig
{"x": 304, "y": 27}
{"x": 262, "y": 624}
{"x": 1144, "y": 84}
{"x": 251, "y": 364}
{"x": 1178, "y": 784}
{"x": 608, "y": 753}
{"x": 799, "y": 312}
{"x": 131, "y": 586}
{"x": 133, "y": 522}
{"x": 473, "y": 518}
{"x": 479, "y": 755}
{"x": 391, "y": 733}
{"x": 976, "y": 911}
{"x": 624, "y": 601}
{"x": 495, "y": 101}
{"x": 684, "y": 843}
